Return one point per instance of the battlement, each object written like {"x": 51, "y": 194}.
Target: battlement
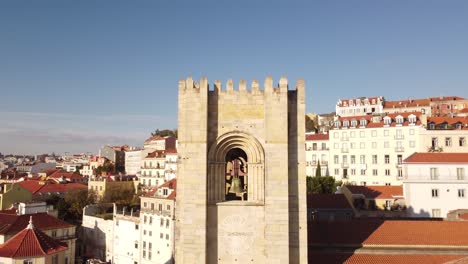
{"x": 189, "y": 85}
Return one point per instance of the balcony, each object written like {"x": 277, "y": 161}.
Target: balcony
{"x": 323, "y": 162}
{"x": 344, "y": 150}
{"x": 345, "y": 165}
{"x": 399, "y": 136}
{"x": 345, "y": 139}
{"x": 157, "y": 212}
{"x": 399, "y": 149}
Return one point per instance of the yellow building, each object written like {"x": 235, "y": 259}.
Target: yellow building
{"x": 13, "y": 193}
{"x": 102, "y": 183}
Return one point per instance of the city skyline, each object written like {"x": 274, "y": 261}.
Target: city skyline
{"x": 78, "y": 75}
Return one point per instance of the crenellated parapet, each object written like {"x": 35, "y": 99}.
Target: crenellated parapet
{"x": 190, "y": 86}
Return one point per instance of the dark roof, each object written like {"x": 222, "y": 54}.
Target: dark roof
{"x": 317, "y": 137}
{"x": 327, "y": 201}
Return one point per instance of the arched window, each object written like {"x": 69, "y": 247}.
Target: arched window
{"x": 346, "y": 123}
{"x": 337, "y": 124}
{"x": 236, "y": 175}
{"x": 412, "y": 119}
{"x": 363, "y": 122}
{"x": 399, "y": 120}
{"x": 387, "y": 120}
{"x": 353, "y": 123}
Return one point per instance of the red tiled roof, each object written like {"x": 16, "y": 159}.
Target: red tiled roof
{"x": 389, "y": 232}
{"x": 464, "y": 110}
{"x": 36, "y": 187}
{"x": 172, "y": 196}
{"x": 30, "y": 242}
{"x": 317, "y": 137}
{"x": 66, "y": 175}
{"x": 445, "y": 98}
{"x": 437, "y": 158}
{"x": 156, "y": 154}
{"x": 171, "y": 151}
{"x": 463, "y": 216}
{"x": 154, "y": 138}
{"x": 325, "y": 201}
{"x": 407, "y": 103}
{"x": 324, "y": 258}
{"x": 11, "y": 224}
{"x": 377, "y": 192}
{"x": 446, "y": 119}
{"x": 172, "y": 184}
{"x": 49, "y": 172}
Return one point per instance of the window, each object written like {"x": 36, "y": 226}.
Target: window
{"x": 374, "y": 145}
{"x": 335, "y": 135}
{"x": 411, "y": 131}
{"x": 167, "y": 236}
{"x": 54, "y": 233}
{"x": 434, "y": 174}
{"x": 314, "y": 146}
{"x": 385, "y": 132}
{"x": 448, "y": 142}
{"x": 144, "y": 231}
{"x": 144, "y": 219}
{"x": 374, "y": 159}
{"x": 387, "y": 159}
{"x": 136, "y": 244}
{"x": 375, "y": 172}
{"x": 400, "y": 173}
{"x": 374, "y": 133}
{"x": 434, "y": 142}
{"x": 362, "y": 145}
{"x": 363, "y": 122}
{"x": 168, "y": 207}
{"x": 362, "y": 134}
{"x": 324, "y": 146}
{"x": 399, "y": 159}
{"x": 387, "y": 172}
{"x": 352, "y": 134}
{"x": 353, "y": 145}
{"x": 461, "y": 142}
{"x": 167, "y": 223}
{"x": 353, "y": 171}
{"x": 354, "y": 121}
{"x": 150, "y": 233}
{"x": 435, "y": 212}
{"x": 460, "y": 174}
{"x": 337, "y": 172}
{"x": 435, "y": 193}
{"x": 412, "y": 119}
{"x": 161, "y": 235}
{"x": 362, "y": 159}
{"x": 353, "y": 159}
{"x": 363, "y": 172}
{"x": 399, "y": 120}
{"x": 387, "y": 121}
{"x": 336, "y": 159}
{"x": 336, "y": 145}
{"x": 412, "y": 144}
{"x": 28, "y": 261}
{"x": 162, "y": 222}
{"x": 55, "y": 259}
{"x": 461, "y": 193}
{"x": 386, "y": 144}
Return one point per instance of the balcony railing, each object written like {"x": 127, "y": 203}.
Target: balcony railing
{"x": 344, "y": 150}
{"x": 344, "y": 165}
{"x": 345, "y": 139}
{"x": 399, "y": 136}
{"x": 157, "y": 212}
{"x": 399, "y": 149}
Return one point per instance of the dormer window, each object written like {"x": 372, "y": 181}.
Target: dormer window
{"x": 350, "y": 102}
{"x": 458, "y": 125}
{"x": 399, "y": 120}
{"x": 373, "y": 101}
{"x": 387, "y": 120}
{"x": 353, "y": 123}
{"x": 431, "y": 126}
{"x": 445, "y": 126}
{"x": 363, "y": 122}
{"x": 346, "y": 123}
{"x": 412, "y": 119}
{"x": 337, "y": 124}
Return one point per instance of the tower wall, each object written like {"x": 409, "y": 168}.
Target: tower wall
{"x": 268, "y": 124}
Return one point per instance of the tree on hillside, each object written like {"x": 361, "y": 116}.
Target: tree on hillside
{"x": 310, "y": 124}
{"x": 318, "y": 170}
{"x": 164, "y": 133}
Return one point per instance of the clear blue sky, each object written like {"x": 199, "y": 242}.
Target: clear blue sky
{"x": 75, "y": 75}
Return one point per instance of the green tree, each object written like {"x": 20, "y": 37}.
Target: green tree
{"x": 164, "y": 133}
{"x": 322, "y": 185}
{"x": 310, "y": 124}
{"x": 318, "y": 170}
{"x": 77, "y": 200}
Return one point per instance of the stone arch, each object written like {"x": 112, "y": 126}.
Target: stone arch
{"x": 216, "y": 165}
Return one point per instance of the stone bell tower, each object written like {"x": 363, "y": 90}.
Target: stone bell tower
{"x": 241, "y": 188}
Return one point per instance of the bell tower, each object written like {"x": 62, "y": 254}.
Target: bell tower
{"x": 241, "y": 188}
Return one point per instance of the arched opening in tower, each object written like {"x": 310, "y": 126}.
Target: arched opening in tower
{"x": 236, "y": 175}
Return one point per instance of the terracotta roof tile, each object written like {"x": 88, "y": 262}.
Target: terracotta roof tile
{"x": 325, "y": 201}
{"x": 30, "y": 242}
{"x": 442, "y": 157}
{"x": 324, "y": 258}
{"x": 389, "y": 232}
{"x": 37, "y": 187}
{"x": 11, "y": 224}
{"x": 377, "y": 192}
{"x": 172, "y": 184}
{"x": 317, "y": 137}
{"x": 406, "y": 103}
{"x": 463, "y": 216}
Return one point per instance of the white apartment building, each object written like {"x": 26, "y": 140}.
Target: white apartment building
{"x": 410, "y": 105}
{"x": 153, "y": 169}
{"x": 126, "y": 238}
{"x": 133, "y": 160}
{"x": 160, "y": 143}
{"x": 157, "y": 224}
{"x": 435, "y": 183}
{"x": 170, "y": 166}
{"x": 369, "y": 150}
{"x": 445, "y": 134}
{"x": 359, "y": 106}
{"x": 317, "y": 151}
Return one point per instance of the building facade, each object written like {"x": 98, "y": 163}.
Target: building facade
{"x": 435, "y": 183}
{"x": 317, "y": 151}
{"x": 234, "y": 145}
